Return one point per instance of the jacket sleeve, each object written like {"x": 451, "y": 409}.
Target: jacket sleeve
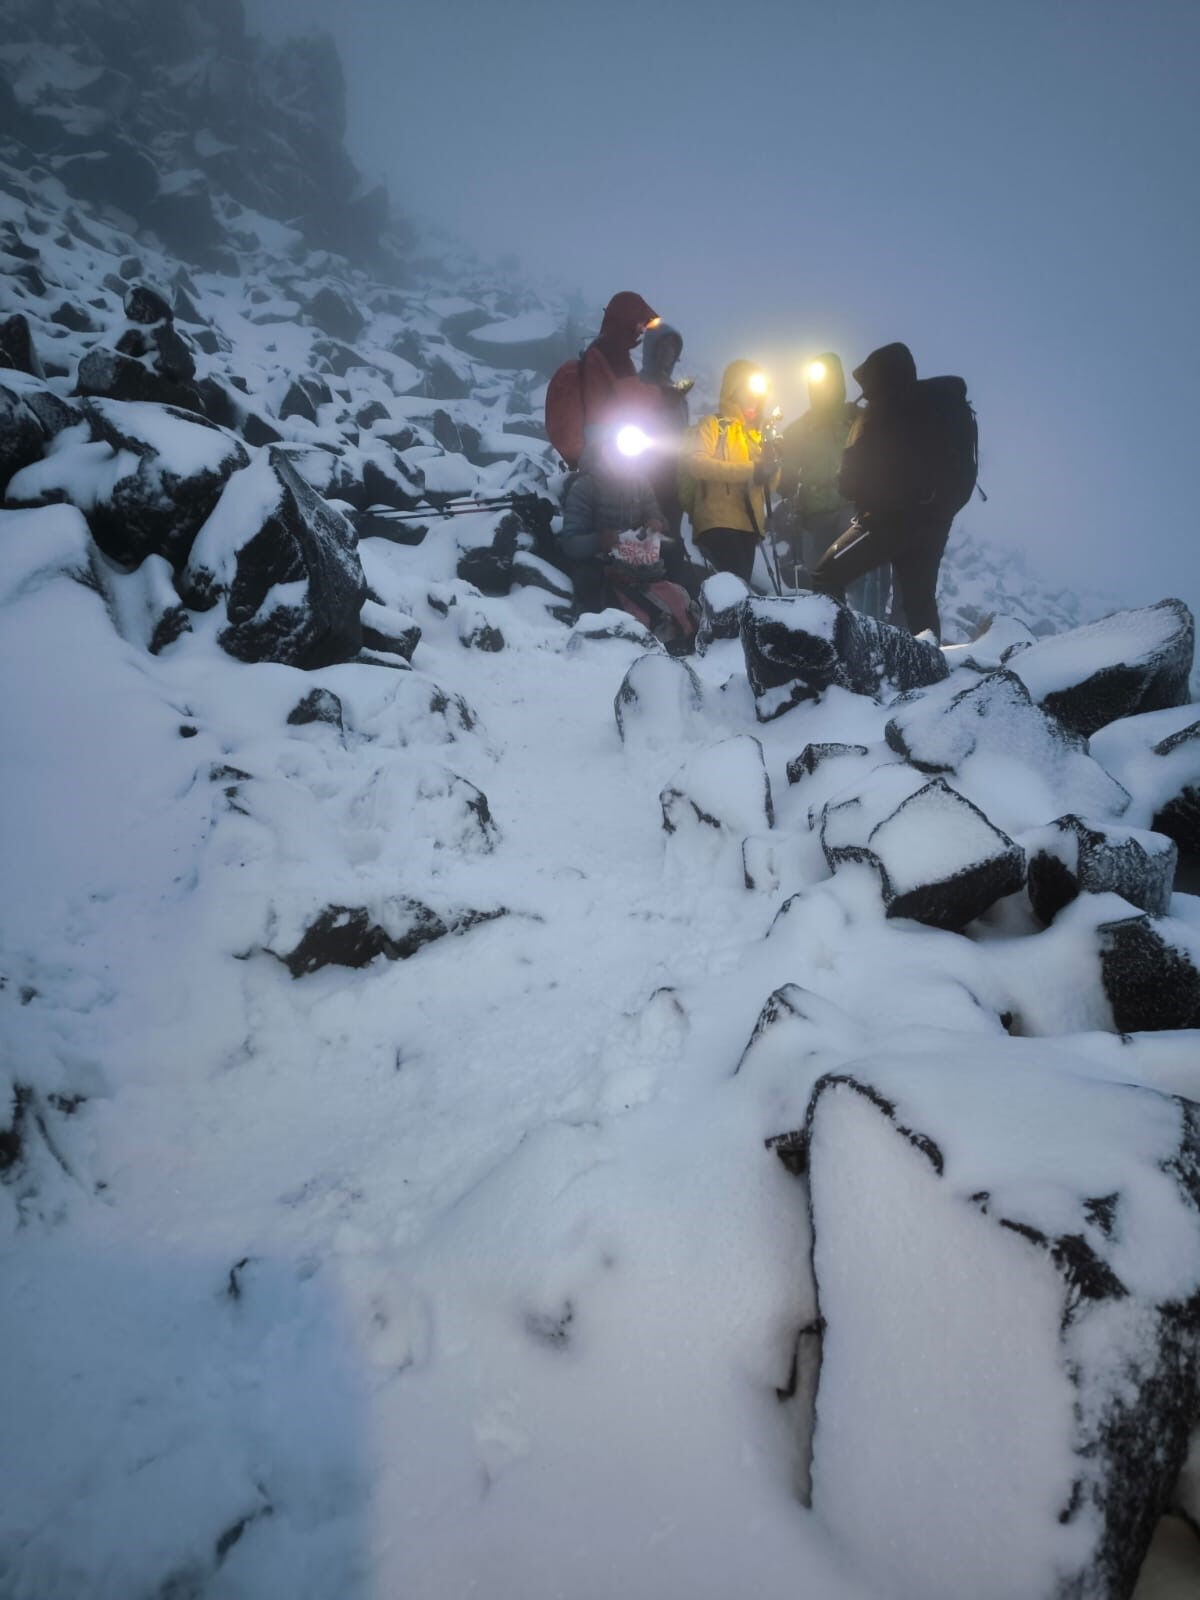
{"x": 579, "y": 508}
{"x": 703, "y": 461}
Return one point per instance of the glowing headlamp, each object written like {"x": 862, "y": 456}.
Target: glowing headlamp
{"x": 631, "y": 441}
{"x": 655, "y": 322}
{"x": 817, "y": 372}
{"x": 757, "y": 383}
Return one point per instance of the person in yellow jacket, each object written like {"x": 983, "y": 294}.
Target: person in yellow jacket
{"x": 731, "y": 476}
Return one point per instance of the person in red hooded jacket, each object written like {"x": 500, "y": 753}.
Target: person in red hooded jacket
{"x": 611, "y": 390}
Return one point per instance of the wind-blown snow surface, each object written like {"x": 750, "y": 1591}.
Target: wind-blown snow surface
{"x": 467, "y": 1273}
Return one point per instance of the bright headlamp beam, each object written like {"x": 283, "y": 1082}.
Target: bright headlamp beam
{"x": 757, "y": 383}
{"x": 816, "y": 372}
{"x": 631, "y": 441}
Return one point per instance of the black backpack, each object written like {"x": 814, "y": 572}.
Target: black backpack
{"x": 945, "y": 443}
{"x": 924, "y": 452}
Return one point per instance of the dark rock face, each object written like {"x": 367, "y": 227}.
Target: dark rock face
{"x": 182, "y": 463}
{"x": 1072, "y": 858}
{"x": 811, "y": 757}
{"x": 344, "y": 936}
{"x": 336, "y": 314}
{"x": 287, "y": 565}
{"x": 17, "y": 349}
{"x": 21, "y": 435}
{"x": 1179, "y": 818}
{"x": 112, "y": 375}
{"x": 1151, "y": 982}
{"x": 1121, "y": 1346}
{"x": 144, "y": 303}
{"x": 1146, "y": 658}
{"x": 799, "y": 646}
{"x": 318, "y": 705}
{"x": 940, "y": 861}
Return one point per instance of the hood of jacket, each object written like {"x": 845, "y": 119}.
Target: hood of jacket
{"x": 733, "y": 382}
{"x": 886, "y": 373}
{"x": 652, "y": 342}
{"x": 624, "y": 314}
{"x": 830, "y": 393}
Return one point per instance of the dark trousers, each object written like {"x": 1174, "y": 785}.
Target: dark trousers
{"x": 914, "y": 544}
{"x": 729, "y": 550}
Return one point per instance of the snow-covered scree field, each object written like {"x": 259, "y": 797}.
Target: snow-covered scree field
{"x": 489, "y": 1108}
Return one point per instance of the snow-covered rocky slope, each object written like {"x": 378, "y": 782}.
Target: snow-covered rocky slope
{"x": 489, "y": 1108}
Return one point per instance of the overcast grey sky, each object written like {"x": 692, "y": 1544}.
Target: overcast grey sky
{"x": 1010, "y": 188}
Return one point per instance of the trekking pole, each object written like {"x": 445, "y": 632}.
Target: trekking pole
{"x": 773, "y": 572}
{"x": 451, "y": 508}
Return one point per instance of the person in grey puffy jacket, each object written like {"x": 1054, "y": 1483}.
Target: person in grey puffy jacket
{"x": 604, "y": 500}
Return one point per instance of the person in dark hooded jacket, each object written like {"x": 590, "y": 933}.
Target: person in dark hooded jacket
{"x": 611, "y": 391}
{"x": 661, "y": 349}
{"x": 880, "y": 475}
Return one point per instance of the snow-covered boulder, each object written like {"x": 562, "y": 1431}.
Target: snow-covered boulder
{"x": 991, "y": 645}
{"x": 335, "y": 313}
{"x": 17, "y": 349}
{"x": 1150, "y": 969}
{"x": 1071, "y": 857}
{"x": 1131, "y": 661}
{"x": 722, "y": 791}
{"x": 798, "y": 646}
{"x": 317, "y": 706}
{"x": 721, "y": 599}
{"x": 659, "y": 701}
{"x": 1156, "y": 757}
{"x": 146, "y": 476}
{"x": 939, "y": 859}
{"x": 285, "y": 564}
{"x": 1007, "y": 1265}
{"x": 993, "y": 730}
{"x": 385, "y": 628}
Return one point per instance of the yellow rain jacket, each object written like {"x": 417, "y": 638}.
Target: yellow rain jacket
{"x": 720, "y": 460}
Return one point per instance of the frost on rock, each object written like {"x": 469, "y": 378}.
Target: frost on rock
{"x": 1157, "y": 758}
{"x": 384, "y": 628}
{"x": 994, "y": 642}
{"x": 1131, "y": 661}
{"x": 1007, "y": 1264}
{"x": 1071, "y": 857}
{"x": 659, "y": 701}
{"x": 1151, "y": 973}
{"x": 286, "y": 565}
{"x": 721, "y": 599}
{"x": 799, "y": 646}
{"x": 814, "y": 755}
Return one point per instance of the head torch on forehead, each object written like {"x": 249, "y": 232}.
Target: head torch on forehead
{"x": 757, "y": 383}
{"x": 816, "y": 372}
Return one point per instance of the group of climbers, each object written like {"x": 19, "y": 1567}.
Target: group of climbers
{"x": 867, "y": 490}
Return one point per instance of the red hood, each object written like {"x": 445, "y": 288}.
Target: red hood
{"x": 624, "y": 314}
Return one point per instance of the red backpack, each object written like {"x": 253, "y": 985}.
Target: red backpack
{"x": 564, "y": 411}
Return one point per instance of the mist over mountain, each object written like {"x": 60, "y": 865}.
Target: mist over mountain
{"x": 504, "y": 1095}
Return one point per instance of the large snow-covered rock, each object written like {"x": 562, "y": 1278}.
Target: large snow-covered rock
{"x": 993, "y": 734}
{"x": 354, "y": 936}
{"x": 1071, "y": 857}
{"x": 1156, "y": 757}
{"x": 146, "y": 476}
{"x": 659, "y": 701}
{"x": 1007, "y": 1262}
{"x": 1128, "y": 662}
{"x": 723, "y": 789}
{"x": 798, "y": 646}
{"x": 21, "y": 435}
{"x": 286, "y": 565}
